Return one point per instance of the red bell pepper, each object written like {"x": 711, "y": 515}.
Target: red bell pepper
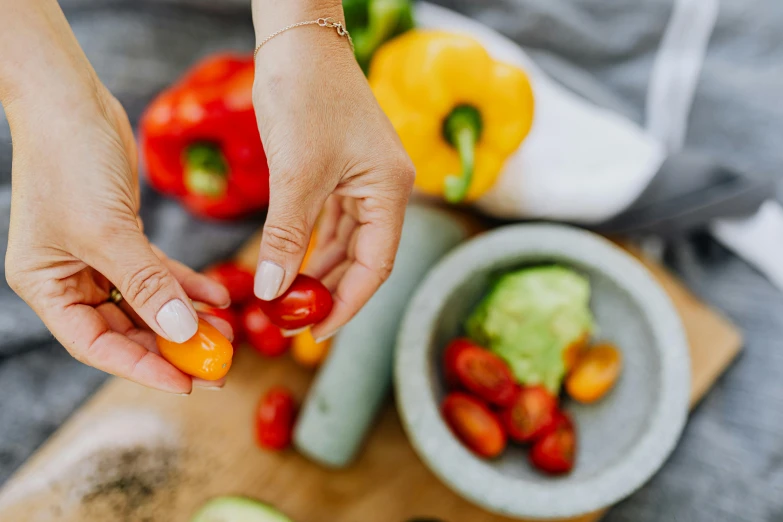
{"x": 201, "y": 143}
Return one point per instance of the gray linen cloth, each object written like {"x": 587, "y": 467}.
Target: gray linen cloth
{"x": 729, "y": 464}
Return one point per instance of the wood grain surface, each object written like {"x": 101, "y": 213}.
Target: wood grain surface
{"x": 135, "y": 455}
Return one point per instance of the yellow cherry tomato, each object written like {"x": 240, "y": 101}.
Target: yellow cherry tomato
{"x": 307, "y": 352}
{"x": 310, "y": 248}
{"x": 594, "y": 374}
{"x": 207, "y": 355}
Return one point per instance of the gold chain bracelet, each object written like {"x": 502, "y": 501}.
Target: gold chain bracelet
{"x": 321, "y": 22}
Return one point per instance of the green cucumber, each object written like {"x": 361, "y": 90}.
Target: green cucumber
{"x": 237, "y": 509}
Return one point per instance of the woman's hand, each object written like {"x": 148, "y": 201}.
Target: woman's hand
{"x": 329, "y": 146}
{"x": 74, "y": 229}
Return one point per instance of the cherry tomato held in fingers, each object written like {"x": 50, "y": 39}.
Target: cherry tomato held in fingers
{"x": 450, "y": 360}
{"x": 474, "y": 424}
{"x": 555, "y": 451}
{"x": 261, "y": 333}
{"x": 231, "y": 316}
{"x": 207, "y": 355}
{"x": 306, "y": 302}
{"x": 594, "y": 374}
{"x": 531, "y": 415}
{"x": 485, "y": 375}
{"x": 237, "y": 279}
{"x": 275, "y": 419}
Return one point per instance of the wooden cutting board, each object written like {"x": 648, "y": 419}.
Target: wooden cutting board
{"x": 135, "y": 455}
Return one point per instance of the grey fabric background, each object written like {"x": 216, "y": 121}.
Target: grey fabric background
{"x": 729, "y": 464}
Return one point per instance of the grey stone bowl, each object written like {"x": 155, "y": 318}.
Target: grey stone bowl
{"x": 622, "y": 440}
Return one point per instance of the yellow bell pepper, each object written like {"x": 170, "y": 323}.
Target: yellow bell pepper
{"x": 458, "y": 112}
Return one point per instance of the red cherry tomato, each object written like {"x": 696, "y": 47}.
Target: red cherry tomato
{"x": 306, "y": 302}
{"x": 485, "y": 375}
{"x": 450, "y": 360}
{"x": 531, "y": 415}
{"x": 474, "y": 424}
{"x": 237, "y": 279}
{"x": 231, "y": 316}
{"x": 259, "y": 331}
{"x": 555, "y": 451}
{"x": 275, "y": 419}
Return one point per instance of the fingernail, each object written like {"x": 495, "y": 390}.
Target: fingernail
{"x": 225, "y": 306}
{"x": 211, "y": 388}
{"x": 291, "y": 333}
{"x": 269, "y": 277}
{"x": 183, "y": 394}
{"x": 326, "y": 337}
{"x": 176, "y": 321}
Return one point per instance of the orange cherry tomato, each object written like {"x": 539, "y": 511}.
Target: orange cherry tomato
{"x": 207, "y": 355}
{"x": 307, "y": 352}
{"x": 474, "y": 424}
{"x": 594, "y": 374}
{"x": 231, "y": 316}
{"x": 574, "y": 352}
{"x": 310, "y": 248}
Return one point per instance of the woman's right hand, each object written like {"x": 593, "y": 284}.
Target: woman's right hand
{"x": 74, "y": 230}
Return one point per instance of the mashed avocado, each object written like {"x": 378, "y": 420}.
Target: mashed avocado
{"x": 530, "y": 317}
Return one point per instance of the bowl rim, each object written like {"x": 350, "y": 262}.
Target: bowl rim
{"x": 471, "y": 477}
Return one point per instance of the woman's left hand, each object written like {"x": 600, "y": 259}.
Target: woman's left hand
{"x": 329, "y": 146}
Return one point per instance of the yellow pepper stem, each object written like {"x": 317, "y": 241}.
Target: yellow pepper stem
{"x": 462, "y": 129}
{"x": 206, "y": 170}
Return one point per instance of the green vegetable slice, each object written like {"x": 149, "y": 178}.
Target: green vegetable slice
{"x": 238, "y": 509}
{"x": 529, "y": 317}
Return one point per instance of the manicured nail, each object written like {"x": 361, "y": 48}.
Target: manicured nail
{"x": 212, "y": 388}
{"x": 175, "y": 320}
{"x": 326, "y": 337}
{"x": 291, "y": 333}
{"x": 269, "y": 277}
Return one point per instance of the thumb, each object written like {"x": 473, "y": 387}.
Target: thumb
{"x": 147, "y": 285}
{"x": 289, "y": 223}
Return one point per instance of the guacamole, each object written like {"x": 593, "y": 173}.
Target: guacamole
{"x": 530, "y": 317}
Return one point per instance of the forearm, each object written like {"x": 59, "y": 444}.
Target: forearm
{"x": 40, "y": 59}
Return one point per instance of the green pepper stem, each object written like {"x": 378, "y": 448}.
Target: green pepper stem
{"x": 383, "y": 18}
{"x": 206, "y": 170}
{"x": 462, "y": 129}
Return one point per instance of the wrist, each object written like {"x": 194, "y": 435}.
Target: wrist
{"x": 272, "y": 15}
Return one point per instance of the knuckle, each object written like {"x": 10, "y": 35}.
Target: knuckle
{"x": 288, "y": 239}
{"x": 142, "y": 285}
{"x": 14, "y": 274}
{"x": 407, "y": 171}
{"x": 13, "y": 277}
{"x": 385, "y": 270}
